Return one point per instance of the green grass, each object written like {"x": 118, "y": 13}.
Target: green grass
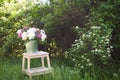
{"x": 10, "y": 69}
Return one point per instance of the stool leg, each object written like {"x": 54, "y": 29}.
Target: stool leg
{"x": 23, "y": 64}
{"x": 48, "y": 62}
{"x": 30, "y": 77}
{"x": 43, "y": 65}
{"x": 28, "y": 66}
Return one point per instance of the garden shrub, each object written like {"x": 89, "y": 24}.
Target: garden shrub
{"x": 53, "y": 49}
{"x": 107, "y": 12}
{"x": 92, "y": 47}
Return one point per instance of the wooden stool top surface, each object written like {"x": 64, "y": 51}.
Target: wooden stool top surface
{"x": 37, "y": 54}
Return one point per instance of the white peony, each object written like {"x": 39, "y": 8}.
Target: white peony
{"x": 42, "y": 31}
{"x": 33, "y": 29}
{"x": 24, "y": 36}
{"x": 43, "y": 37}
{"x": 31, "y": 34}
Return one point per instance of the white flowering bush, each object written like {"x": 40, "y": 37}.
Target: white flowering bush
{"x": 31, "y": 33}
{"x": 93, "y": 46}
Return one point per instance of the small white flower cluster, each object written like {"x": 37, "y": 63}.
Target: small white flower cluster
{"x": 82, "y": 62}
{"x": 77, "y": 27}
{"x": 95, "y": 27}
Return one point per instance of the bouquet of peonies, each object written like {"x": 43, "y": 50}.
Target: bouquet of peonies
{"x": 31, "y": 33}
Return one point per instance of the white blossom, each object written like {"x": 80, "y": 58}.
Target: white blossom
{"x": 107, "y": 40}
{"x": 96, "y": 50}
{"x": 99, "y": 50}
{"x": 104, "y": 56}
{"x": 24, "y": 36}
{"x": 33, "y": 29}
{"x": 108, "y": 51}
{"x": 82, "y": 66}
{"x": 111, "y": 47}
{"x": 76, "y": 40}
{"x": 43, "y": 37}
{"x": 95, "y": 27}
{"x": 93, "y": 34}
{"x": 82, "y": 56}
{"x": 31, "y": 34}
{"x": 88, "y": 60}
{"x": 90, "y": 64}
{"x": 42, "y": 31}
{"x": 73, "y": 59}
{"x": 92, "y": 50}
{"x": 76, "y": 27}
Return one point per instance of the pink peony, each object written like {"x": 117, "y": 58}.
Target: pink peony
{"x": 19, "y": 32}
{"x": 38, "y": 36}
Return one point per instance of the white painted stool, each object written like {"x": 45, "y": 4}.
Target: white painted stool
{"x": 38, "y": 70}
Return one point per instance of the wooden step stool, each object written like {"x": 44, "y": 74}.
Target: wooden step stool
{"x": 38, "y": 70}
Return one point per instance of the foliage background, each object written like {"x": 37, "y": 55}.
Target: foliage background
{"x": 59, "y": 18}
{"x": 82, "y": 35}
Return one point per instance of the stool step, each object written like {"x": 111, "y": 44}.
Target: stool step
{"x": 37, "y": 71}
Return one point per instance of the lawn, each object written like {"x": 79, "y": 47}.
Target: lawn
{"x": 10, "y": 69}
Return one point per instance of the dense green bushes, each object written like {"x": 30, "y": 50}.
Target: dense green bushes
{"x": 82, "y": 34}
{"x": 58, "y": 18}
{"x": 13, "y": 16}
